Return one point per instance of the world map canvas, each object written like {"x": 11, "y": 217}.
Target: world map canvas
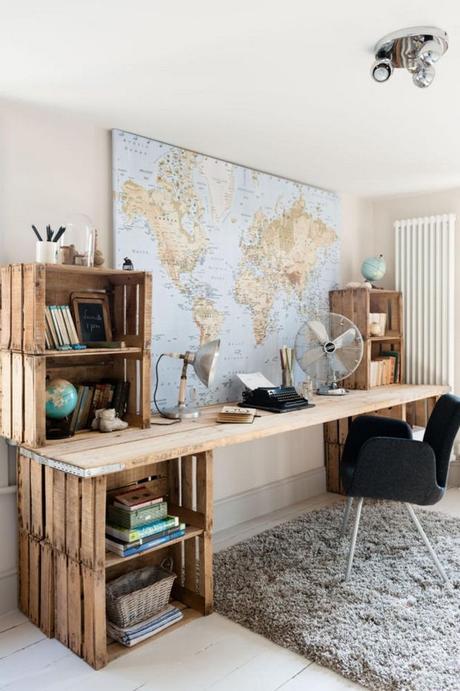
{"x": 235, "y": 254}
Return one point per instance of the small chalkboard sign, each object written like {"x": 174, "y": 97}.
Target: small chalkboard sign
{"x": 92, "y": 316}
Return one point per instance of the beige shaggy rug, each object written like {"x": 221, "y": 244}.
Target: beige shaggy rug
{"x": 394, "y": 625}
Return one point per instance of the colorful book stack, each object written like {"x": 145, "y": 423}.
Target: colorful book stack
{"x": 139, "y": 632}
{"x": 60, "y": 331}
{"x": 137, "y": 520}
{"x": 385, "y": 368}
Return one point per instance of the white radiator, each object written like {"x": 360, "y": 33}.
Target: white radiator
{"x": 425, "y": 276}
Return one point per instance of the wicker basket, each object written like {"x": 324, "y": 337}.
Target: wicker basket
{"x": 139, "y": 594}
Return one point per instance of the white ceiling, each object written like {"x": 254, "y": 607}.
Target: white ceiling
{"x": 281, "y": 86}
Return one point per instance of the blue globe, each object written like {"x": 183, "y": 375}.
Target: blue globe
{"x": 61, "y": 399}
{"x": 373, "y": 268}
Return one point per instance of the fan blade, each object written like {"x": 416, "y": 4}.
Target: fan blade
{"x": 310, "y": 357}
{"x": 345, "y": 339}
{"x": 319, "y": 330}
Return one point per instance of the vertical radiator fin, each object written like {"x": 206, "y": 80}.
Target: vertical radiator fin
{"x": 424, "y": 265}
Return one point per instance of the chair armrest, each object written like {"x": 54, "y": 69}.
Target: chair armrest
{"x": 396, "y": 469}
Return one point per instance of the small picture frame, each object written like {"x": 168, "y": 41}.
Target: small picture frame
{"x": 92, "y": 316}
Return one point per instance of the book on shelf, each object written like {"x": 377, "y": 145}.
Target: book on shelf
{"x": 234, "y": 414}
{"x": 135, "y": 498}
{"x": 132, "y": 519}
{"x": 91, "y": 397}
{"x": 137, "y": 633}
{"x": 384, "y": 370}
{"x": 132, "y": 534}
{"x": 60, "y": 331}
{"x": 127, "y": 549}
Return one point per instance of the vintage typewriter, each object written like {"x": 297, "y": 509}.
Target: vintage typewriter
{"x": 277, "y": 399}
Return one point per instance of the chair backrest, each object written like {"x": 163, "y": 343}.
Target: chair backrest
{"x": 440, "y": 433}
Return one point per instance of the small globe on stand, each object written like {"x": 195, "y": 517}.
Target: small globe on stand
{"x": 373, "y": 268}
{"x": 61, "y": 399}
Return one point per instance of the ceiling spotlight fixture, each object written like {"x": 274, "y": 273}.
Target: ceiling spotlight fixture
{"x": 416, "y": 49}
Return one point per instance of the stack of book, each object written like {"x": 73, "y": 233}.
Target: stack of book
{"x": 385, "y": 369}
{"x": 137, "y": 520}
{"x": 60, "y": 331}
{"x": 92, "y": 397}
{"x": 139, "y": 632}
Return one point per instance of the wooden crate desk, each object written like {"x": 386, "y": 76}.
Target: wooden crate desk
{"x": 62, "y": 489}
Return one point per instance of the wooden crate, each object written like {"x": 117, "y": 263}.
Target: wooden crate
{"x": 28, "y": 288}
{"x": 24, "y": 386}
{"x": 63, "y": 565}
{"x": 357, "y": 304}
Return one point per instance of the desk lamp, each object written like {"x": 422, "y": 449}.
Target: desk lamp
{"x": 204, "y": 362}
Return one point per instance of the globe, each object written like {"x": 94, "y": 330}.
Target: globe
{"x": 373, "y": 268}
{"x": 61, "y": 399}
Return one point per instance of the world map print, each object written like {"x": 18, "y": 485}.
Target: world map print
{"x": 235, "y": 254}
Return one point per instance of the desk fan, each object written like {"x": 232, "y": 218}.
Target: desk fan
{"x": 329, "y": 349}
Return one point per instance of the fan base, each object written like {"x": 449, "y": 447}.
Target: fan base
{"x": 331, "y": 391}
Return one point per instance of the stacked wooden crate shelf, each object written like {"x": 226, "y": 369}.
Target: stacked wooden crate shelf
{"x": 26, "y": 363}
{"x": 63, "y": 563}
{"x": 357, "y": 304}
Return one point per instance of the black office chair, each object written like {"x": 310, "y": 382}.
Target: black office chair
{"x": 382, "y": 461}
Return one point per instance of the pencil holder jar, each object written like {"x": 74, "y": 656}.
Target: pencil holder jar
{"x": 46, "y": 252}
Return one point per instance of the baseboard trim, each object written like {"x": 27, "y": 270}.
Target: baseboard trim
{"x": 262, "y": 500}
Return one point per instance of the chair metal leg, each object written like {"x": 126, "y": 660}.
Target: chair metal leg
{"x": 433, "y": 555}
{"x": 351, "y": 553}
{"x": 346, "y": 515}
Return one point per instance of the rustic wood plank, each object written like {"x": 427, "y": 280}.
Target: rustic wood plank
{"x": 420, "y": 413}
{"x": 174, "y": 497}
{"x": 204, "y": 502}
{"x": 59, "y": 510}
{"x": 23, "y": 500}
{"x": 94, "y": 636}
{"x": 72, "y": 517}
{"x": 37, "y": 499}
{"x": 61, "y": 594}
{"x": 6, "y": 395}
{"x": 34, "y": 400}
{"x": 34, "y": 308}
{"x": 17, "y": 405}
{"x": 49, "y": 504}
{"x": 23, "y": 571}
{"x": 87, "y": 522}
{"x": 333, "y": 468}
{"x": 5, "y": 315}
{"x": 189, "y": 549}
{"x": 34, "y": 580}
{"x": 99, "y": 521}
{"x": 74, "y": 606}
{"x": 16, "y": 307}
{"x": 47, "y": 590}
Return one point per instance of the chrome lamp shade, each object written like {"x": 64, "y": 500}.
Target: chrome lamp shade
{"x": 204, "y": 362}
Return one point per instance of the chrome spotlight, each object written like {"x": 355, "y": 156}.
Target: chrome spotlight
{"x": 416, "y": 49}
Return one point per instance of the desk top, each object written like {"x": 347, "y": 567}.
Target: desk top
{"x": 93, "y": 453}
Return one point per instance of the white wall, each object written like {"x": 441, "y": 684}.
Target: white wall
{"x": 53, "y": 164}
{"x": 387, "y": 210}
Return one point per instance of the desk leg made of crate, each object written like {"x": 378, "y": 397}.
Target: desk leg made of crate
{"x": 63, "y": 565}
{"x": 416, "y": 413}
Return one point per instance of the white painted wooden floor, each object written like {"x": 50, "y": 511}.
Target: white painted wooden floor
{"x": 209, "y": 653}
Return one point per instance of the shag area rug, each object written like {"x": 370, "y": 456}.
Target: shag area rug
{"x": 392, "y": 626}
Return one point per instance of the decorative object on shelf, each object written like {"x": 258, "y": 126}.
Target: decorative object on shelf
{"x": 99, "y": 258}
{"x": 377, "y": 323}
{"x": 204, "y": 362}
{"x": 106, "y": 420}
{"x": 373, "y": 268}
{"x": 92, "y": 316}
{"x": 287, "y": 361}
{"x": 61, "y": 399}
{"x": 140, "y": 594}
{"x": 329, "y": 349}
{"x": 80, "y": 236}
{"x": 46, "y": 251}
{"x": 127, "y": 264}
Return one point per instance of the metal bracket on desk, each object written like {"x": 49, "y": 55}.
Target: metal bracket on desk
{"x": 71, "y": 469}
